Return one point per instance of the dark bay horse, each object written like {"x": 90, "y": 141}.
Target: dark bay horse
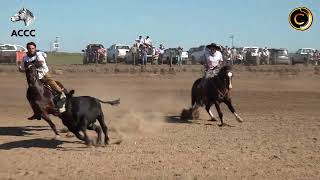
{"x": 41, "y": 97}
{"x": 217, "y": 90}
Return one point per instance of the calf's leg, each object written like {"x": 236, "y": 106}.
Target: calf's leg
{"x": 104, "y": 128}
{"x": 98, "y": 131}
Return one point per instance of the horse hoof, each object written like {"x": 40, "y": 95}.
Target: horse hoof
{"x": 89, "y": 143}
{"x": 69, "y": 134}
{"x": 64, "y": 130}
{"x": 240, "y": 120}
{"x": 57, "y": 137}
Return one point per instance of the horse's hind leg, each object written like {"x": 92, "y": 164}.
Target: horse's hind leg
{"x": 219, "y": 112}
{"x": 231, "y": 108}
{"x": 104, "y": 128}
{"x": 53, "y": 126}
{"x": 98, "y": 131}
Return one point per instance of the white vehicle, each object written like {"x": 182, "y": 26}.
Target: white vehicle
{"x": 11, "y": 53}
{"x": 185, "y": 57}
{"x": 197, "y": 54}
{"x": 12, "y": 47}
{"x": 117, "y": 52}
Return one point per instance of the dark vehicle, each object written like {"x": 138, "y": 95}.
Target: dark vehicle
{"x": 168, "y": 54}
{"x": 304, "y": 56}
{"x": 94, "y": 53}
{"x": 279, "y": 56}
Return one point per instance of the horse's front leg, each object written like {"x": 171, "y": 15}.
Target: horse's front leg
{"x": 231, "y": 108}
{"x": 45, "y": 116}
{"x": 219, "y": 112}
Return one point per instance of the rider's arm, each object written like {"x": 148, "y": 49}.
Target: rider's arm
{"x": 21, "y": 69}
{"x": 20, "y": 65}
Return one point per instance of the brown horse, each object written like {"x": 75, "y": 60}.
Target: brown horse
{"x": 41, "y": 97}
{"x": 217, "y": 90}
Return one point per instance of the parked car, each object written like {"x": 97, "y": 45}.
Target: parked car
{"x": 190, "y": 51}
{"x": 168, "y": 53}
{"x": 185, "y": 57}
{"x": 173, "y": 52}
{"x": 94, "y": 53}
{"x": 11, "y": 53}
{"x": 279, "y": 56}
{"x": 252, "y": 56}
{"x": 304, "y": 56}
{"x": 152, "y": 57}
{"x": 117, "y": 52}
{"x": 197, "y": 54}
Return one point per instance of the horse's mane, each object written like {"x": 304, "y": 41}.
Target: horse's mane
{"x": 221, "y": 73}
{"x": 225, "y": 69}
{"x": 28, "y": 12}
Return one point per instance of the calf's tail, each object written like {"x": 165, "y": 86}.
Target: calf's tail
{"x": 112, "y": 103}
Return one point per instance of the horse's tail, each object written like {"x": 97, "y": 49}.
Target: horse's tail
{"x": 112, "y": 103}
{"x": 196, "y": 93}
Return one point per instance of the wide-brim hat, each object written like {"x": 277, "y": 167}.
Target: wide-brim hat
{"x": 213, "y": 46}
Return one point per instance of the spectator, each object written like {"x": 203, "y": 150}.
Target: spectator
{"x": 161, "y": 51}
{"x": 135, "y": 50}
{"x": 265, "y": 56}
{"x": 179, "y": 57}
{"x": 148, "y": 42}
{"x": 140, "y": 40}
{"x": 144, "y": 51}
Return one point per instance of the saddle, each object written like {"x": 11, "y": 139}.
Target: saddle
{"x": 54, "y": 93}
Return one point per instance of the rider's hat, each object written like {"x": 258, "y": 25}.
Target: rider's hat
{"x": 213, "y": 46}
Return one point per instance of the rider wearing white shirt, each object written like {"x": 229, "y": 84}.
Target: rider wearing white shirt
{"x": 212, "y": 62}
{"x": 42, "y": 69}
{"x": 140, "y": 41}
{"x": 148, "y": 42}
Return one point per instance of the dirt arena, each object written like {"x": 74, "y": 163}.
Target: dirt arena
{"x": 279, "y": 138}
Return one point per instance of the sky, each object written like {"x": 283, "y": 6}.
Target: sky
{"x": 186, "y": 23}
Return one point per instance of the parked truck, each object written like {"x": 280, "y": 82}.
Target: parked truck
{"x": 11, "y": 53}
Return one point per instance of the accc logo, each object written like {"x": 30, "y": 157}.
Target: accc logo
{"x": 27, "y": 17}
{"x": 22, "y": 33}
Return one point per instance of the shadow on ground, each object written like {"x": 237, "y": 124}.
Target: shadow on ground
{"x": 21, "y": 130}
{"x": 176, "y": 119}
{"x": 32, "y": 143}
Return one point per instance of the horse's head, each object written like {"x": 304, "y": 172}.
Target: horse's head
{"x": 31, "y": 73}
{"x": 23, "y": 15}
{"x": 225, "y": 74}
